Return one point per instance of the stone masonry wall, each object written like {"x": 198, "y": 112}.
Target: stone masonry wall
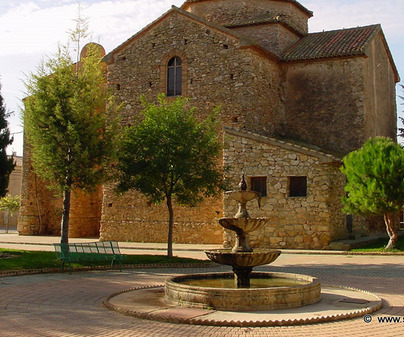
{"x": 215, "y": 72}
{"x": 275, "y": 37}
{"x": 132, "y": 218}
{"x": 380, "y": 93}
{"x": 310, "y": 222}
{"x": 325, "y": 104}
{"x": 41, "y": 208}
{"x": 230, "y": 12}
{"x": 85, "y": 213}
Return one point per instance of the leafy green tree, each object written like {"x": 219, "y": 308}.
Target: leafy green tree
{"x": 375, "y": 182}
{"x": 6, "y": 163}
{"x": 10, "y": 203}
{"x": 170, "y": 155}
{"x": 65, "y": 121}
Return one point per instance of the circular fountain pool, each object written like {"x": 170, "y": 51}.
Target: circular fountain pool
{"x": 267, "y": 291}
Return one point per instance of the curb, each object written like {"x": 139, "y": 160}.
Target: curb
{"x": 238, "y": 323}
{"x": 6, "y": 273}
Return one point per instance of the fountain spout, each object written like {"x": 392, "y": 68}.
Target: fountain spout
{"x": 242, "y": 257}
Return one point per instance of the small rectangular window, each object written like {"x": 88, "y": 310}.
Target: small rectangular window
{"x": 259, "y": 184}
{"x": 297, "y": 186}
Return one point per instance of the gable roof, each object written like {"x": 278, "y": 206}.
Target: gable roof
{"x": 288, "y": 145}
{"x": 244, "y": 41}
{"x": 349, "y": 42}
{"x": 268, "y": 19}
{"x": 336, "y": 43}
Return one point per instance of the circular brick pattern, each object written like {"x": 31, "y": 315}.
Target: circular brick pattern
{"x": 337, "y": 303}
{"x": 71, "y": 305}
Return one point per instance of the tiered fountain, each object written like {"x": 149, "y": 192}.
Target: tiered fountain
{"x": 243, "y": 289}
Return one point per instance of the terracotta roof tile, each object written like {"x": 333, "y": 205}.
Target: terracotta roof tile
{"x": 336, "y": 43}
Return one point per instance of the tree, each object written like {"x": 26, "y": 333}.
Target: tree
{"x": 11, "y": 205}
{"x": 6, "y": 163}
{"x": 65, "y": 121}
{"x": 170, "y": 155}
{"x": 375, "y": 182}
{"x": 401, "y": 130}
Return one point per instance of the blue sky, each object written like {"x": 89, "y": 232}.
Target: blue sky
{"x": 30, "y": 30}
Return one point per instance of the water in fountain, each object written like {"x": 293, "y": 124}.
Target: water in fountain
{"x": 243, "y": 290}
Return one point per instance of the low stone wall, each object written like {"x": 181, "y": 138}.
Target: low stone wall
{"x": 132, "y": 218}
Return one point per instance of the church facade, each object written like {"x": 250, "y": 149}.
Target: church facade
{"x": 293, "y": 104}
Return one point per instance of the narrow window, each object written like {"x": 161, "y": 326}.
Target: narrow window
{"x": 174, "y": 77}
{"x": 259, "y": 184}
{"x": 297, "y": 186}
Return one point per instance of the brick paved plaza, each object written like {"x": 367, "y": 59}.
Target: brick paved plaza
{"x": 71, "y": 305}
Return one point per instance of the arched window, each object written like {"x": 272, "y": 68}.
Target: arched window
{"x": 174, "y": 77}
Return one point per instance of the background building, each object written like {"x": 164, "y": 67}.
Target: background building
{"x": 8, "y": 222}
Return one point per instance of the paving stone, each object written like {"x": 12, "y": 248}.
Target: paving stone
{"x": 53, "y": 305}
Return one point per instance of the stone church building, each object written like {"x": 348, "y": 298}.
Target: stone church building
{"x": 293, "y": 104}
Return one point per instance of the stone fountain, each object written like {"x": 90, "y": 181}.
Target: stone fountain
{"x": 231, "y": 298}
{"x": 243, "y": 289}
{"x": 242, "y": 257}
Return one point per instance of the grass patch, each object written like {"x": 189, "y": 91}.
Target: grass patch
{"x": 22, "y": 259}
{"x": 379, "y": 245}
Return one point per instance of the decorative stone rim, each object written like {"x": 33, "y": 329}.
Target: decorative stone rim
{"x": 238, "y": 323}
{"x": 262, "y": 298}
{"x": 227, "y": 256}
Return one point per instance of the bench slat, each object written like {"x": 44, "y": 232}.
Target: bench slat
{"x": 89, "y": 251}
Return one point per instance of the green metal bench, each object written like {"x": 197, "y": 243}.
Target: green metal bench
{"x": 88, "y": 252}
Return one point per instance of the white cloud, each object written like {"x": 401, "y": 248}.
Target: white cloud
{"x": 337, "y": 14}
{"x": 116, "y": 21}
{"x": 31, "y": 29}
{"x": 28, "y": 29}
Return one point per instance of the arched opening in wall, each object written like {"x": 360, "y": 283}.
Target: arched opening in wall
{"x": 174, "y": 77}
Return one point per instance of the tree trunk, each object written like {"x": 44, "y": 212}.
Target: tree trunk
{"x": 64, "y": 238}
{"x": 170, "y": 227}
{"x": 391, "y": 221}
{"x": 7, "y": 216}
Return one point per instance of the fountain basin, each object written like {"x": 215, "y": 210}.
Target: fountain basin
{"x": 242, "y": 196}
{"x": 194, "y": 291}
{"x": 243, "y": 259}
{"x": 245, "y": 224}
